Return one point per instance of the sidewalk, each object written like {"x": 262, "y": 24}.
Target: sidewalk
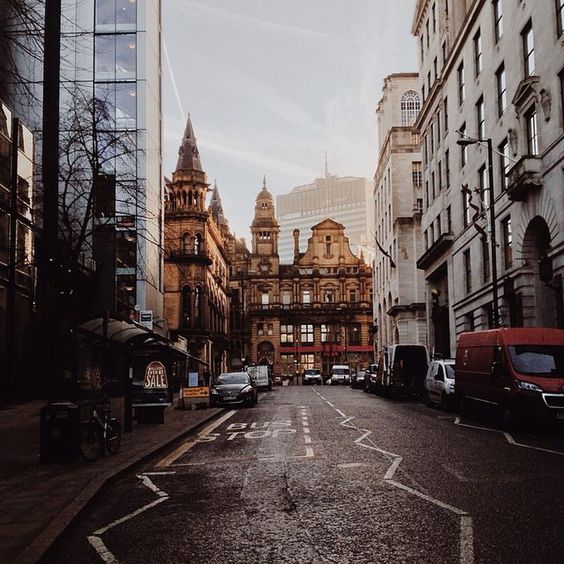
{"x": 38, "y": 501}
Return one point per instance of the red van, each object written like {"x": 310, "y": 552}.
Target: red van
{"x": 518, "y": 371}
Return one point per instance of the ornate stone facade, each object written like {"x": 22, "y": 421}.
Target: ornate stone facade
{"x": 196, "y": 262}
{"x": 314, "y": 312}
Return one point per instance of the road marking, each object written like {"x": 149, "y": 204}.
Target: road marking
{"x": 98, "y": 544}
{"x": 307, "y": 440}
{"x": 183, "y": 449}
{"x": 309, "y": 453}
{"x": 466, "y": 551}
{"x": 159, "y": 473}
{"x": 509, "y": 438}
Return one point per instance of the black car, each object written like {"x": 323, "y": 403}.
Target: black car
{"x": 358, "y": 379}
{"x": 233, "y": 388}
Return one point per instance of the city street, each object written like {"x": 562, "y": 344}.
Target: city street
{"x": 330, "y": 474}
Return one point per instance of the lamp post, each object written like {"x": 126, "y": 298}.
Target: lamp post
{"x": 464, "y": 141}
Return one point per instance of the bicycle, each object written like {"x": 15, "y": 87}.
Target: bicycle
{"x": 99, "y": 434}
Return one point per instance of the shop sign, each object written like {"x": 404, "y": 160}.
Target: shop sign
{"x": 200, "y": 392}
{"x": 155, "y": 375}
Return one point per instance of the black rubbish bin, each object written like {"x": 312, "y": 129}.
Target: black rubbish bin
{"x": 59, "y": 434}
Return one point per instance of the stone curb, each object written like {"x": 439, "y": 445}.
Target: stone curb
{"x": 39, "y": 546}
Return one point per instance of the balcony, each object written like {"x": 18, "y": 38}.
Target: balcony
{"x": 435, "y": 251}
{"x": 188, "y": 255}
{"x": 524, "y": 178}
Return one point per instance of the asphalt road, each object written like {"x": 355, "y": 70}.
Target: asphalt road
{"x": 330, "y": 474}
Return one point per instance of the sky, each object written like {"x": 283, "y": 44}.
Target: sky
{"x": 272, "y": 84}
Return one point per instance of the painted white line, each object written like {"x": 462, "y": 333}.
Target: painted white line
{"x": 148, "y": 483}
{"x": 307, "y": 440}
{"x": 158, "y": 473}
{"x": 430, "y": 499}
{"x": 183, "y": 449}
{"x": 130, "y": 516}
{"x": 466, "y": 552}
{"x": 102, "y": 549}
{"x": 306, "y": 430}
{"x": 466, "y": 540}
{"x": 509, "y": 438}
{"x": 392, "y": 469}
{"x": 308, "y": 454}
{"x": 329, "y": 403}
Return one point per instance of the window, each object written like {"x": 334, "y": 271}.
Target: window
{"x": 528, "y": 49}
{"x": 467, "y": 269}
{"x": 427, "y": 32}
{"x": 429, "y": 81}
{"x": 532, "y": 131}
{"x": 484, "y": 189}
{"x": 270, "y": 329}
{"x": 115, "y": 56}
{"x": 439, "y": 128}
{"x": 481, "y": 118}
{"x": 507, "y": 243}
{"x": 434, "y": 18}
{"x": 410, "y": 105}
{"x": 286, "y": 333}
{"x": 445, "y": 109}
{"x": 264, "y": 298}
{"x": 503, "y": 149}
{"x": 466, "y": 206}
{"x": 198, "y": 306}
{"x": 469, "y": 321}
{"x": 463, "y": 148}
{"x": 197, "y": 244}
{"x": 186, "y": 243}
{"x": 416, "y": 174}
{"x": 421, "y": 49}
{"x": 286, "y": 297}
{"x": 352, "y": 296}
{"x": 260, "y": 329}
{"x": 461, "y": 83}
{"x": 186, "y": 306}
{"x": 449, "y": 219}
{"x": 433, "y": 191}
{"x": 559, "y": 17}
{"x": 501, "y": 89}
{"x": 478, "y": 52}
{"x": 353, "y": 334}
{"x": 324, "y": 333}
{"x": 498, "y": 19}
{"x": 329, "y": 296}
{"x": 306, "y": 296}
{"x": 440, "y": 178}
{"x": 306, "y": 333}
{"x": 447, "y": 168}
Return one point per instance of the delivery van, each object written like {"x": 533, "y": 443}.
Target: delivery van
{"x": 519, "y": 372}
{"x": 260, "y": 376}
{"x": 402, "y": 370}
{"x": 340, "y": 374}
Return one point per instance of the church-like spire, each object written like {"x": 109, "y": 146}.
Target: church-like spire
{"x": 188, "y": 154}
{"x": 215, "y": 207}
{"x": 264, "y": 182}
{"x": 326, "y": 166}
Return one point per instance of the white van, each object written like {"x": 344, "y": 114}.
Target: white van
{"x": 340, "y": 374}
{"x": 260, "y": 376}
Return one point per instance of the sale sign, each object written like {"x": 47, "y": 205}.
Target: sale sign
{"x": 155, "y": 375}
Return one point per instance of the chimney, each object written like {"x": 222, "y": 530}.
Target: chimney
{"x": 296, "y": 234}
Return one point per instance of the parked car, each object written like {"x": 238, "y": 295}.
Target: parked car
{"x": 402, "y": 370}
{"x": 260, "y": 376}
{"x": 439, "y": 383}
{"x": 312, "y": 376}
{"x": 340, "y": 374}
{"x": 234, "y": 388}
{"x": 370, "y": 378}
{"x": 357, "y": 379}
{"x": 515, "y": 371}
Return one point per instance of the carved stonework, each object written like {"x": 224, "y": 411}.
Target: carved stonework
{"x": 513, "y": 141}
{"x": 546, "y": 103}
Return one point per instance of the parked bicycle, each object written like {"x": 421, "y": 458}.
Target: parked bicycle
{"x": 99, "y": 433}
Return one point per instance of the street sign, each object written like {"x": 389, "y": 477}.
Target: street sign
{"x": 146, "y": 318}
{"x": 198, "y": 393}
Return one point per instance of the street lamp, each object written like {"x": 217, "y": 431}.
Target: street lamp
{"x": 465, "y": 141}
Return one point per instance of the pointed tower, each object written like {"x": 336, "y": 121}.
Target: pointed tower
{"x": 215, "y": 209}
{"x": 264, "y": 231}
{"x": 187, "y": 191}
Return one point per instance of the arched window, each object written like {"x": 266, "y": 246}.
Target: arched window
{"x": 197, "y": 244}
{"x": 410, "y": 106}
{"x": 186, "y": 243}
{"x": 186, "y": 306}
{"x": 198, "y": 306}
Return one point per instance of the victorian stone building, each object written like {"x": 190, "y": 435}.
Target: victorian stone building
{"x": 196, "y": 262}
{"x": 491, "y": 72}
{"x": 312, "y": 313}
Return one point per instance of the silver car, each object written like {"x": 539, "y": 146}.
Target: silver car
{"x": 439, "y": 383}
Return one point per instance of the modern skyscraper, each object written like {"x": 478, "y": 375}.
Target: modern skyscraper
{"x": 111, "y": 54}
{"x": 344, "y": 199}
